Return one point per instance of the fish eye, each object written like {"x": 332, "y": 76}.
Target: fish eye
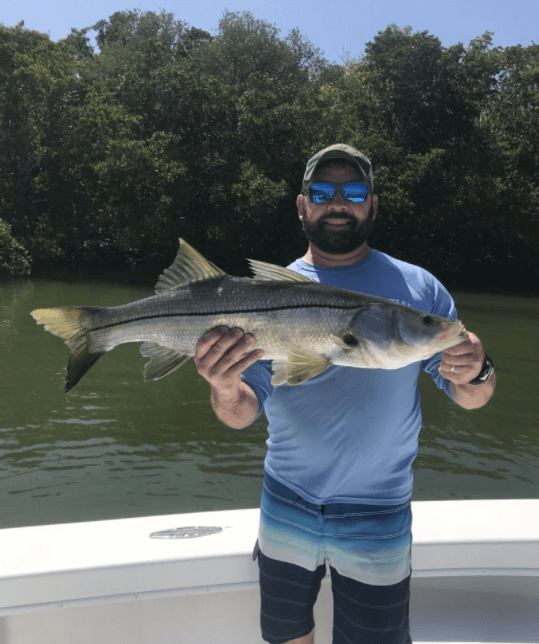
{"x": 428, "y": 321}
{"x": 350, "y": 340}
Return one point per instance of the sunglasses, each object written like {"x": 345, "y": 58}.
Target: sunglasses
{"x": 324, "y": 191}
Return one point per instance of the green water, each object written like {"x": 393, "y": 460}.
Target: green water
{"x": 117, "y": 447}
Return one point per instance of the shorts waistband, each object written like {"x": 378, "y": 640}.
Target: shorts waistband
{"x": 279, "y": 490}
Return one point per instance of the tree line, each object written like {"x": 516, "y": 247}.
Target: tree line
{"x": 110, "y": 153}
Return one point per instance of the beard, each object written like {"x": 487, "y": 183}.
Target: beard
{"x": 338, "y": 242}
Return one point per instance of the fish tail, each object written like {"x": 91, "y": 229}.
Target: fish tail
{"x": 70, "y": 324}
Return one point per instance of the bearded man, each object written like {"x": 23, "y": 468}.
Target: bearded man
{"x": 338, "y": 471}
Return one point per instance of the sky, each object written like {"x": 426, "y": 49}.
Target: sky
{"x": 339, "y": 28}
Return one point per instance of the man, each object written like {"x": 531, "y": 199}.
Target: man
{"x": 338, "y": 472}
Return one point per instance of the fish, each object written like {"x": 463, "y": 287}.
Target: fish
{"x": 303, "y": 326}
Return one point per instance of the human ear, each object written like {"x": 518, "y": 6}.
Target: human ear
{"x": 300, "y": 203}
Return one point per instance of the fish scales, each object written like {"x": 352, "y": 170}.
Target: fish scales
{"x": 276, "y": 316}
{"x": 303, "y": 326}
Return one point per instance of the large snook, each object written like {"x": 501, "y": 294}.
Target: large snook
{"x": 303, "y": 326}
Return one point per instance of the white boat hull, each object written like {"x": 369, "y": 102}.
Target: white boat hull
{"x": 475, "y": 579}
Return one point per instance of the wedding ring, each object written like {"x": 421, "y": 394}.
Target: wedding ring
{"x": 452, "y": 369}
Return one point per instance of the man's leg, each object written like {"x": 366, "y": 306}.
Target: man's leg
{"x": 369, "y": 549}
{"x": 308, "y": 639}
{"x": 370, "y": 614}
{"x": 290, "y": 564}
{"x": 288, "y": 594}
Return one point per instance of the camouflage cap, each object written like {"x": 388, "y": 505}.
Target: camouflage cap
{"x": 340, "y": 151}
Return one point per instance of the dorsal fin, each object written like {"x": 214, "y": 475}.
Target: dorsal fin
{"x": 189, "y": 266}
{"x": 271, "y": 272}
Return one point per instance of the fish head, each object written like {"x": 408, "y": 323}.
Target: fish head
{"x": 427, "y": 332}
{"x": 390, "y": 336}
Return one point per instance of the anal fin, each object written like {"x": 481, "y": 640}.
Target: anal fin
{"x": 163, "y": 360}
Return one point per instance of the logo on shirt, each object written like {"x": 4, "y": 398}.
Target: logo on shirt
{"x": 392, "y": 299}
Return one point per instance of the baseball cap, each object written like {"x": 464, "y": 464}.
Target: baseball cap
{"x": 340, "y": 151}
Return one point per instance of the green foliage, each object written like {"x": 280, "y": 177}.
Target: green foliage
{"x": 247, "y": 50}
{"x": 109, "y": 154}
{"x": 14, "y": 259}
{"x": 147, "y": 40}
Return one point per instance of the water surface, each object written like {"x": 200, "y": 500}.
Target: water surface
{"x": 118, "y": 447}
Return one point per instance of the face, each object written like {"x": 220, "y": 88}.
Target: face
{"x": 340, "y": 226}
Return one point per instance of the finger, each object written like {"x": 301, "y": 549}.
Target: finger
{"x": 227, "y": 351}
{"x": 453, "y": 370}
{"x": 206, "y": 342}
{"x": 449, "y": 369}
{"x": 459, "y": 374}
{"x": 471, "y": 343}
{"x": 457, "y": 379}
{"x": 246, "y": 361}
{"x": 236, "y": 345}
{"x": 464, "y": 347}
{"x": 459, "y": 360}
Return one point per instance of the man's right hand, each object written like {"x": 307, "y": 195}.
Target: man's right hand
{"x": 221, "y": 355}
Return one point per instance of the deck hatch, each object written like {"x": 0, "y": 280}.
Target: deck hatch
{"x": 188, "y": 532}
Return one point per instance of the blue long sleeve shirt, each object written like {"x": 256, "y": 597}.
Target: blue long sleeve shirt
{"x": 350, "y": 435}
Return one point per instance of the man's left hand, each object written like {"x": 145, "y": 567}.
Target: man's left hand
{"x": 462, "y": 363}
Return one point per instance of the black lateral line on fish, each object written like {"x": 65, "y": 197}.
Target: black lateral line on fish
{"x": 232, "y": 312}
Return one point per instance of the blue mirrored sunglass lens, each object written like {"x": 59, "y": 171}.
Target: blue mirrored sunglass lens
{"x": 355, "y": 192}
{"x": 322, "y": 192}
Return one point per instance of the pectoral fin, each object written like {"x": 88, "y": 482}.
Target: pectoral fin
{"x": 301, "y": 366}
{"x": 163, "y": 360}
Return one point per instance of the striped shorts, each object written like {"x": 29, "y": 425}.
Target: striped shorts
{"x": 367, "y": 548}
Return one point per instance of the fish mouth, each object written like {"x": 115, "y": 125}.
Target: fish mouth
{"x": 453, "y": 330}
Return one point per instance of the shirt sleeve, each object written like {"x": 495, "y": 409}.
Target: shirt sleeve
{"x": 442, "y": 304}
{"x": 258, "y": 377}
